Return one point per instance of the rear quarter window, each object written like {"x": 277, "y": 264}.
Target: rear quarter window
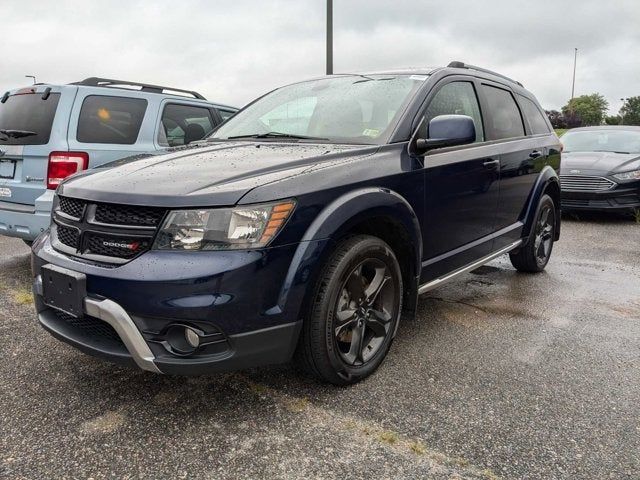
{"x": 504, "y": 119}
{"x": 29, "y": 116}
{"x": 226, "y": 114}
{"x": 113, "y": 120}
{"x": 534, "y": 116}
{"x": 183, "y": 124}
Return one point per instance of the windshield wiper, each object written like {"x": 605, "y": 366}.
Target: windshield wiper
{"x": 276, "y": 135}
{"x": 17, "y": 133}
{"x": 610, "y": 151}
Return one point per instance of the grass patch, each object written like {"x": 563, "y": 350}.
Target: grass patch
{"x": 418, "y": 448}
{"x": 560, "y": 131}
{"x": 636, "y": 215}
{"x": 298, "y": 405}
{"x": 23, "y": 297}
{"x": 258, "y": 388}
{"x": 388, "y": 436}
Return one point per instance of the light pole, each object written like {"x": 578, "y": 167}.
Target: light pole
{"x": 329, "y": 37}
{"x": 32, "y": 77}
{"x": 622, "y": 110}
{"x": 573, "y": 83}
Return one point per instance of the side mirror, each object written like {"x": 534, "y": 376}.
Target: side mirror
{"x": 448, "y": 131}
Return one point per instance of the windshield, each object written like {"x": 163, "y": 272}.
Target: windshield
{"x": 341, "y": 109}
{"x": 26, "y": 119}
{"x": 619, "y": 141}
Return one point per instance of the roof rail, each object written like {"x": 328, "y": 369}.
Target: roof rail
{"x": 144, "y": 87}
{"x": 456, "y": 64}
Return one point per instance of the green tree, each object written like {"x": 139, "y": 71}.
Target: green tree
{"x": 630, "y": 111}
{"x": 590, "y": 109}
{"x": 612, "y": 120}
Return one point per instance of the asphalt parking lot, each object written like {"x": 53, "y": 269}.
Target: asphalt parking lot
{"x": 501, "y": 375}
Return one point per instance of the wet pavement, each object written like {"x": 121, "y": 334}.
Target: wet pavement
{"x": 500, "y": 375}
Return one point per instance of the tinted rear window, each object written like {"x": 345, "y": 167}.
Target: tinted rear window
{"x": 114, "y": 120}
{"x": 534, "y": 116}
{"x": 28, "y": 113}
{"x": 504, "y": 116}
{"x": 182, "y": 124}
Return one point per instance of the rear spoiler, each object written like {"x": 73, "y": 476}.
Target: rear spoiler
{"x": 45, "y": 94}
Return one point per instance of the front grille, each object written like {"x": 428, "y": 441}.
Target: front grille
{"x": 68, "y": 236}
{"x": 585, "y": 183}
{"x": 121, "y": 247}
{"x": 71, "y": 206}
{"x": 104, "y": 232}
{"x": 129, "y": 215}
{"x": 91, "y": 326}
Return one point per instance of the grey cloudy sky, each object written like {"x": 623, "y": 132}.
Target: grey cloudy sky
{"x": 233, "y": 51}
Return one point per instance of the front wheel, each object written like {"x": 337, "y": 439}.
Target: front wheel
{"x": 354, "y": 313}
{"x": 535, "y": 254}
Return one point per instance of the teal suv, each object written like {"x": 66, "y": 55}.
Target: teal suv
{"x": 49, "y": 132}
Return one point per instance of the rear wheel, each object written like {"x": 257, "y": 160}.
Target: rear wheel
{"x": 354, "y": 314}
{"x": 28, "y": 243}
{"x": 534, "y": 256}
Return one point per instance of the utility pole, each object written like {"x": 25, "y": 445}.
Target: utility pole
{"x": 573, "y": 84}
{"x": 329, "y": 37}
{"x": 622, "y": 110}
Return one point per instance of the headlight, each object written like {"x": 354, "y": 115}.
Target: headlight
{"x": 251, "y": 226}
{"x": 635, "y": 175}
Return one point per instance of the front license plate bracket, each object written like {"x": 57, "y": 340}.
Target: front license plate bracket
{"x": 64, "y": 289}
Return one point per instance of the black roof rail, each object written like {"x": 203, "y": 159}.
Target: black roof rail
{"x": 456, "y": 64}
{"x": 144, "y": 87}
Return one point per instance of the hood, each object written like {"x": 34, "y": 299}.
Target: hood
{"x": 598, "y": 163}
{"x": 206, "y": 174}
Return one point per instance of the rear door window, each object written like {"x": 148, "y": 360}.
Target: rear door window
{"x": 113, "y": 120}
{"x": 504, "y": 119}
{"x": 532, "y": 113}
{"x": 27, "y": 119}
{"x": 183, "y": 124}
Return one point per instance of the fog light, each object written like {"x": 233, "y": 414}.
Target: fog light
{"x": 192, "y": 337}
{"x": 182, "y": 339}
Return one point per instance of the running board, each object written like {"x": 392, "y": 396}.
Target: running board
{"x": 442, "y": 280}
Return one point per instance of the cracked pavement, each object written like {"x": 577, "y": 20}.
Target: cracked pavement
{"x": 500, "y": 375}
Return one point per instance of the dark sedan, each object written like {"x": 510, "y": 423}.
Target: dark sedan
{"x": 601, "y": 169}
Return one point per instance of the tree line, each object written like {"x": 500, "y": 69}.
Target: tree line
{"x": 589, "y": 110}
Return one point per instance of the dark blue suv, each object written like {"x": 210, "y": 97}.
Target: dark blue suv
{"x": 304, "y": 226}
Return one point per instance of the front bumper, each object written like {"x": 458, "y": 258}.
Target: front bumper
{"x": 236, "y": 299}
{"x": 618, "y": 199}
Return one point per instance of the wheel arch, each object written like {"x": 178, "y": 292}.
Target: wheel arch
{"x": 375, "y": 211}
{"x": 548, "y": 183}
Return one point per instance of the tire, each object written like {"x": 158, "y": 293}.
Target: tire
{"x": 28, "y": 243}
{"x": 340, "y": 314}
{"x": 535, "y": 254}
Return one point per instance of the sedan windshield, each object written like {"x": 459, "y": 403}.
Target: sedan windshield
{"x": 342, "y": 109}
{"x": 618, "y": 141}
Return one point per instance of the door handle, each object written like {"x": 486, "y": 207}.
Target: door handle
{"x": 535, "y": 154}
{"x": 492, "y": 164}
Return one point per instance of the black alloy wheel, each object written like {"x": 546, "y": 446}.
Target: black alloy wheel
{"x": 535, "y": 254}
{"x": 544, "y": 234}
{"x": 362, "y": 319}
{"x": 354, "y": 312}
